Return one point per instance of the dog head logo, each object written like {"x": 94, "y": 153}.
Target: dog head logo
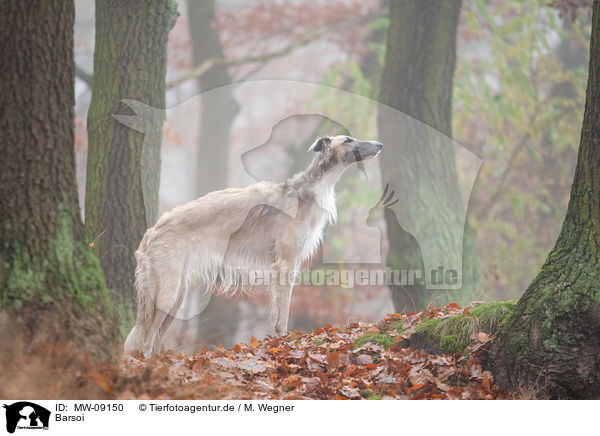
{"x": 26, "y": 415}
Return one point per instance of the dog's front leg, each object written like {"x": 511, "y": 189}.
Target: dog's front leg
{"x": 281, "y": 292}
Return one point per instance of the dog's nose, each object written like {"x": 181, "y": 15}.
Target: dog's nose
{"x": 378, "y": 144}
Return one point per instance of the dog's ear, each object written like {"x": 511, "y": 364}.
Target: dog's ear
{"x": 320, "y": 143}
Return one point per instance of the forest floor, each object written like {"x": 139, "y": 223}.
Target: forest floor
{"x": 358, "y": 361}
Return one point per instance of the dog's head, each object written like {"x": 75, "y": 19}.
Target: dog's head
{"x": 345, "y": 150}
{"x": 336, "y": 153}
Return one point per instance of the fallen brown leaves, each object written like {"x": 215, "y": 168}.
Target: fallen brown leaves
{"x": 359, "y": 361}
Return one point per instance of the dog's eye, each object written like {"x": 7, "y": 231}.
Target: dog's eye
{"x": 348, "y": 140}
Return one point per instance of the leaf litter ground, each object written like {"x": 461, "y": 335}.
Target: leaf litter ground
{"x": 358, "y": 361}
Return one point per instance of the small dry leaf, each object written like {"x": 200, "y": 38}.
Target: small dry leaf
{"x": 364, "y": 359}
{"x": 373, "y": 330}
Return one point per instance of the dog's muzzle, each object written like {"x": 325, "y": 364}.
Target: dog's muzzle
{"x": 366, "y": 150}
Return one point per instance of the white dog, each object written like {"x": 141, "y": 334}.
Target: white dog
{"x": 266, "y": 226}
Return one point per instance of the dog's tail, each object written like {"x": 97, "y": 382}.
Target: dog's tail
{"x": 145, "y": 302}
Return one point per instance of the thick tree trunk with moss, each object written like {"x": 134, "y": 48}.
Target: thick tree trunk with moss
{"x": 551, "y": 343}
{"x": 123, "y": 167}
{"x": 51, "y": 284}
{"x": 417, "y": 80}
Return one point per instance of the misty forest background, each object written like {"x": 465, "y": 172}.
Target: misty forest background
{"x": 155, "y": 125}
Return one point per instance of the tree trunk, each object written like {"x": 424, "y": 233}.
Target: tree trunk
{"x": 123, "y": 167}
{"x": 219, "y": 108}
{"x": 417, "y": 80}
{"x": 50, "y": 280}
{"x": 551, "y": 343}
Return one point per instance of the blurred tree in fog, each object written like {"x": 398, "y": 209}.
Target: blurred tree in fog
{"x": 218, "y": 112}
{"x": 121, "y": 196}
{"x": 220, "y": 318}
{"x": 551, "y": 342}
{"x": 417, "y": 80}
{"x": 51, "y": 285}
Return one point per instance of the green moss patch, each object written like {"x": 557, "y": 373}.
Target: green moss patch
{"x": 381, "y": 338}
{"x": 453, "y": 334}
{"x": 69, "y": 270}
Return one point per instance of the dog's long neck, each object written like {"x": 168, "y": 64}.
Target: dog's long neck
{"x": 316, "y": 184}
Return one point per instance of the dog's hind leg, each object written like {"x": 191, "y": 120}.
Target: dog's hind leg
{"x": 170, "y": 284}
{"x": 170, "y": 316}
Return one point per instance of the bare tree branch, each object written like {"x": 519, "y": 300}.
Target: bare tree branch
{"x": 501, "y": 184}
{"x": 309, "y": 37}
{"x": 80, "y": 73}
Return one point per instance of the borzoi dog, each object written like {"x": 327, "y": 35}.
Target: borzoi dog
{"x": 267, "y": 227}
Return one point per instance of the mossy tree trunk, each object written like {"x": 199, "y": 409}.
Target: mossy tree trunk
{"x": 417, "y": 80}
{"x": 51, "y": 284}
{"x": 123, "y": 167}
{"x": 551, "y": 343}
